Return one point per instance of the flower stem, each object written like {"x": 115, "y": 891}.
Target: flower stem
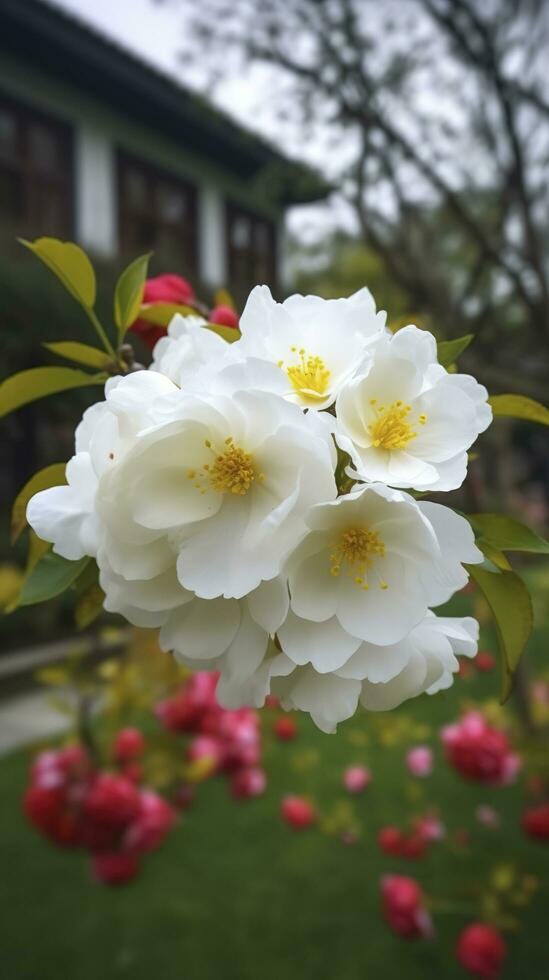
{"x": 100, "y": 331}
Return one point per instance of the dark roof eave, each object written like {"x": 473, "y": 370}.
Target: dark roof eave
{"x": 85, "y": 58}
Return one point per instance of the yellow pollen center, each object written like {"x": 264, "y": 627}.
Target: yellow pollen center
{"x": 309, "y": 376}
{"x": 357, "y": 548}
{"x": 232, "y": 471}
{"x": 392, "y": 429}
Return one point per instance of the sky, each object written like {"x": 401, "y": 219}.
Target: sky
{"x": 154, "y": 32}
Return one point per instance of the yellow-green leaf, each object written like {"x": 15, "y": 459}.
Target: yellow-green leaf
{"x": 29, "y": 386}
{"x": 507, "y": 534}
{"x": 70, "y": 264}
{"x": 223, "y": 297}
{"x": 80, "y": 353}
{"x": 511, "y": 607}
{"x": 448, "y": 351}
{"x": 230, "y": 334}
{"x": 128, "y": 295}
{"x": 494, "y": 555}
{"x": 161, "y": 314}
{"x": 50, "y": 476}
{"x": 519, "y": 407}
{"x": 49, "y": 578}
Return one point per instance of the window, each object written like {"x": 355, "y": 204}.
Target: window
{"x": 157, "y": 212}
{"x": 251, "y": 251}
{"x": 36, "y": 174}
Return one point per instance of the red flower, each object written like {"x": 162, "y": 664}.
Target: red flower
{"x": 168, "y": 288}
{"x": 480, "y": 752}
{"x": 114, "y": 868}
{"x": 481, "y": 950}
{"x": 152, "y": 824}
{"x": 285, "y": 728}
{"x": 297, "y": 812}
{"x": 113, "y": 801}
{"x": 129, "y": 745}
{"x": 196, "y": 702}
{"x": 390, "y": 840}
{"x": 224, "y": 316}
{"x": 403, "y": 907}
{"x": 535, "y": 821}
{"x": 393, "y": 841}
{"x": 247, "y": 783}
{"x": 484, "y": 661}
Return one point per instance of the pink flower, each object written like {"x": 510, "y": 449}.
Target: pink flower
{"x": 419, "y": 761}
{"x": 168, "y": 288}
{"x": 297, "y": 812}
{"x": 207, "y": 749}
{"x": 356, "y": 779}
{"x": 113, "y": 801}
{"x": 481, "y": 950}
{"x": 480, "y": 752}
{"x": 403, "y": 907}
{"x": 151, "y": 826}
{"x": 247, "y": 783}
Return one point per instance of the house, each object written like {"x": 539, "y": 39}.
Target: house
{"x": 100, "y": 148}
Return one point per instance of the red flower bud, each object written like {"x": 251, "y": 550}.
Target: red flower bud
{"x": 114, "y": 868}
{"x": 297, "y": 812}
{"x": 129, "y": 744}
{"x": 481, "y": 950}
{"x": 285, "y": 728}
{"x": 224, "y": 316}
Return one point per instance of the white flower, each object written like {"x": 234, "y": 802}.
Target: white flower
{"x": 188, "y": 349}
{"x": 66, "y": 515}
{"x": 372, "y": 564}
{"x": 317, "y": 344}
{"x": 424, "y": 661}
{"x": 221, "y": 485}
{"x": 229, "y": 635}
{"x": 405, "y": 421}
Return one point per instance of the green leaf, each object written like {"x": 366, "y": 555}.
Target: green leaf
{"x": 511, "y": 607}
{"x": 161, "y": 314}
{"x": 70, "y": 264}
{"x": 80, "y": 353}
{"x": 519, "y": 407}
{"x": 448, "y": 351}
{"x": 29, "y": 386}
{"x": 50, "y": 577}
{"x": 128, "y": 295}
{"x": 507, "y": 534}
{"x": 230, "y": 334}
{"x": 50, "y": 476}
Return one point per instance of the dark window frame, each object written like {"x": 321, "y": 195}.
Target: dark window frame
{"x": 154, "y": 177}
{"x": 63, "y": 179}
{"x": 234, "y": 212}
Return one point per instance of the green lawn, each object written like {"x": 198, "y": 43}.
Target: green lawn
{"x": 236, "y": 895}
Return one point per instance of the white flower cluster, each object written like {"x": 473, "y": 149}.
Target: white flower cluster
{"x": 205, "y": 489}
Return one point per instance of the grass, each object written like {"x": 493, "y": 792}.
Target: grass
{"x": 235, "y": 895}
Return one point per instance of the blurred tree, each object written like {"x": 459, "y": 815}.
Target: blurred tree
{"x": 439, "y": 116}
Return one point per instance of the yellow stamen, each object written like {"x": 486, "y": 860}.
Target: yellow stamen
{"x": 231, "y": 472}
{"x": 391, "y": 429}
{"x": 357, "y": 548}
{"x": 310, "y": 376}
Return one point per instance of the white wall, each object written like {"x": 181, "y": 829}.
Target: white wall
{"x": 96, "y": 201}
{"x": 212, "y": 236}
